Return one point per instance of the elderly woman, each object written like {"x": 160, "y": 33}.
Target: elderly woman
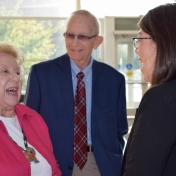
{"x": 25, "y": 146}
{"x": 151, "y": 147}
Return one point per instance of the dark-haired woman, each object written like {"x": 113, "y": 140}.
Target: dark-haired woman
{"x": 151, "y": 147}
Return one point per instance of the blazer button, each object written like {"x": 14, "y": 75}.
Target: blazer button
{"x": 70, "y": 168}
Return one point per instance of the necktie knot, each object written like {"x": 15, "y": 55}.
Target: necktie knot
{"x": 80, "y": 75}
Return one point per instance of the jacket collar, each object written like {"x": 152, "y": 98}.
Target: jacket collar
{"x": 22, "y": 112}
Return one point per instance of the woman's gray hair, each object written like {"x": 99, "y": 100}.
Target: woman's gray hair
{"x": 12, "y": 50}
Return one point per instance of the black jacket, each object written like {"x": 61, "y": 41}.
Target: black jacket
{"x": 151, "y": 147}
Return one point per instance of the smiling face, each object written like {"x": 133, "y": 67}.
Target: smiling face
{"x": 80, "y": 51}
{"x": 10, "y": 82}
{"x": 147, "y": 55}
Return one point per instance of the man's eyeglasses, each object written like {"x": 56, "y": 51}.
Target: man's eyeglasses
{"x": 80, "y": 37}
{"x": 136, "y": 41}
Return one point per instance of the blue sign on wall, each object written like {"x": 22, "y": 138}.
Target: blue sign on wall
{"x": 129, "y": 66}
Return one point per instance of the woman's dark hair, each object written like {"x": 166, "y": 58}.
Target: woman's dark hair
{"x": 160, "y": 24}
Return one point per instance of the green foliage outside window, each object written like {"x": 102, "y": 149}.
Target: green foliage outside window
{"x": 38, "y": 39}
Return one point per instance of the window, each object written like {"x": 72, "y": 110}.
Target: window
{"x": 36, "y": 29}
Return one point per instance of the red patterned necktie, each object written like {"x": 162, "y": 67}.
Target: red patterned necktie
{"x": 80, "y": 124}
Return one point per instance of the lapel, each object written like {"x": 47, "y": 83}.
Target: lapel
{"x": 65, "y": 81}
{"x": 97, "y": 91}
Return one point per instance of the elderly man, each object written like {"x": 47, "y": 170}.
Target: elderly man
{"x": 82, "y": 101}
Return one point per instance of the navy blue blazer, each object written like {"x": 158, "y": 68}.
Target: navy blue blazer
{"x": 50, "y": 93}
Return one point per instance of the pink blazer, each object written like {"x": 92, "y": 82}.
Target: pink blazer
{"x": 12, "y": 160}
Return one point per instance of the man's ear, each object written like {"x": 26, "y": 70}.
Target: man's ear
{"x": 98, "y": 41}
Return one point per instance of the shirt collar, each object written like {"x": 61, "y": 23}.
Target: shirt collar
{"x": 75, "y": 69}
{"x": 21, "y": 112}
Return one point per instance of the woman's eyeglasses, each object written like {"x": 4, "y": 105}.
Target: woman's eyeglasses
{"x": 80, "y": 37}
{"x": 136, "y": 41}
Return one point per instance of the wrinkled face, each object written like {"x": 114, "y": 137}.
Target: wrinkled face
{"x": 146, "y": 51}
{"x": 80, "y": 51}
{"x": 10, "y": 82}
